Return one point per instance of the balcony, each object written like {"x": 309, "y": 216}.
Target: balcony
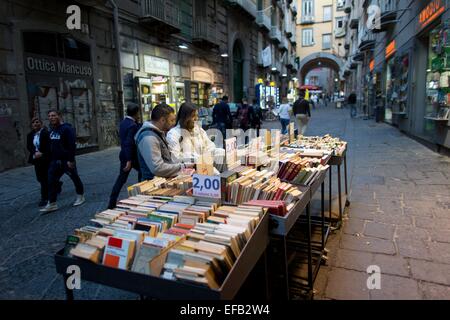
{"x": 348, "y": 6}
{"x": 367, "y": 40}
{"x": 293, "y": 40}
{"x": 247, "y": 6}
{"x": 358, "y": 56}
{"x": 288, "y": 30}
{"x": 340, "y": 5}
{"x": 161, "y": 15}
{"x": 202, "y": 35}
{"x": 294, "y": 9}
{"x": 339, "y": 33}
{"x": 275, "y": 34}
{"x": 276, "y": 67}
{"x": 307, "y": 20}
{"x": 283, "y": 44}
{"x": 388, "y": 15}
{"x": 263, "y": 20}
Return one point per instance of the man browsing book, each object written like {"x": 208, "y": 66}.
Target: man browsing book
{"x": 154, "y": 154}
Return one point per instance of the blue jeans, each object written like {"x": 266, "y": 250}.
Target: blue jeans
{"x": 284, "y": 124}
{"x": 353, "y": 110}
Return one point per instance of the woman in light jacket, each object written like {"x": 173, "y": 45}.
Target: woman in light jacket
{"x": 188, "y": 142}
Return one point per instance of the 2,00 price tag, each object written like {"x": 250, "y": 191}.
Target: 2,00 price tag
{"x": 206, "y": 186}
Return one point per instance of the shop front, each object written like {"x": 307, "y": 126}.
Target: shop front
{"x": 59, "y": 75}
{"x": 433, "y": 38}
{"x": 202, "y": 91}
{"x": 153, "y": 85}
{"x": 267, "y": 94}
{"x": 391, "y": 76}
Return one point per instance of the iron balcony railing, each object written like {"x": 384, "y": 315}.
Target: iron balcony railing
{"x": 162, "y": 10}
{"x": 307, "y": 19}
{"x": 275, "y": 34}
{"x": 263, "y": 20}
{"x": 201, "y": 31}
{"x": 247, "y": 5}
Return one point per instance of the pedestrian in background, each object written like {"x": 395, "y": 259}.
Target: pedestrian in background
{"x": 257, "y": 116}
{"x": 244, "y": 115}
{"x": 352, "y": 103}
{"x": 302, "y": 113}
{"x": 38, "y": 144}
{"x": 128, "y": 152}
{"x": 62, "y": 155}
{"x": 222, "y": 117}
{"x": 284, "y": 114}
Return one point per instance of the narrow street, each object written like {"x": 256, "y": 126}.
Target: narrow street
{"x": 399, "y": 219}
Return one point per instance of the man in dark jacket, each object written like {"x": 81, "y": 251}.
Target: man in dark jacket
{"x": 62, "y": 160}
{"x": 302, "y": 113}
{"x": 222, "y": 116}
{"x": 352, "y": 103}
{"x": 128, "y": 151}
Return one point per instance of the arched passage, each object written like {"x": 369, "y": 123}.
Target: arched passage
{"x": 319, "y": 60}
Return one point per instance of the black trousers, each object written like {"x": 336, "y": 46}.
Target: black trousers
{"x": 55, "y": 172}
{"x": 121, "y": 180}
{"x": 41, "y": 170}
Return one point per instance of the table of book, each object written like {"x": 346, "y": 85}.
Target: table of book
{"x": 160, "y": 288}
{"x": 282, "y": 230}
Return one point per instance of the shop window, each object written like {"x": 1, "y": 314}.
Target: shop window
{"x": 55, "y": 45}
{"x": 43, "y": 43}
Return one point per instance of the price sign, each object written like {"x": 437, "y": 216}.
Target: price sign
{"x": 231, "y": 151}
{"x": 291, "y": 133}
{"x": 206, "y": 186}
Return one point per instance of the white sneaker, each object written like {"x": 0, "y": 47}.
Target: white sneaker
{"x": 79, "y": 201}
{"x": 49, "y": 207}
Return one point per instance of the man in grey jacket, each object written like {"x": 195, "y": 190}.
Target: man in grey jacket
{"x": 154, "y": 154}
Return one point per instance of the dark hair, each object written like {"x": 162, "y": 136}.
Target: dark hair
{"x": 225, "y": 98}
{"x": 162, "y": 110}
{"x": 185, "y": 112}
{"x": 132, "y": 109}
{"x": 55, "y": 111}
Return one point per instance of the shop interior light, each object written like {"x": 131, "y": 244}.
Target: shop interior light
{"x": 183, "y": 46}
{"x": 295, "y": 79}
{"x": 336, "y": 80}
{"x": 224, "y": 55}
{"x": 274, "y": 69}
{"x": 284, "y": 75}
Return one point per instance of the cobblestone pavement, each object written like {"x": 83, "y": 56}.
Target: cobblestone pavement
{"x": 399, "y": 219}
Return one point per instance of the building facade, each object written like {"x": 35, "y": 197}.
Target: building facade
{"x": 398, "y": 65}
{"x": 321, "y": 32}
{"x": 141, "y": 51}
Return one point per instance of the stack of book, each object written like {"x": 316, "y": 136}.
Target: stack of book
{"x": 301, "y": 170}
{"x": 162, "y": 186}
{"x": 210, "y": 249}
{"x": 261, "y": 185}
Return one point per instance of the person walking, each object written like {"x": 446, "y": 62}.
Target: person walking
{"x": 284, "y": 114}
{"x": 62, "y": 155}
{"x": 257, "y": 115}
{"x": 244, "y": 115}
{"x": 352, "y": 103}
{"x": 222, "y": 116}
{"x": 302, "y": 113}
{"x": 38, "y": 144}
{"x": 155, "y": 158}
{"x": 128, "y": 152}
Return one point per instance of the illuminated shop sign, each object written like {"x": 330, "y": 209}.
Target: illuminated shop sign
{"x": 390, "y": 49}
{"x": 371, "y": 65}
{"x": 433, "y": 10}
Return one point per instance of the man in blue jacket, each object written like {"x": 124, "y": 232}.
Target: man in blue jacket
{"x": 128, "y": 152}
{"x": 62, "y": 160}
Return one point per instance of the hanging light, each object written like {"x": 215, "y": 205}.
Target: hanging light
{"x": 224, "y": 55}
{"x": 183, "y": 46}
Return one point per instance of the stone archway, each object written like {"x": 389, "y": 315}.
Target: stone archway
{"x": 319, "y": 59}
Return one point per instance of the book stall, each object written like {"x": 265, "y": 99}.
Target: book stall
{"x": 337, "y": 150}
{"x": 201, "y": 236}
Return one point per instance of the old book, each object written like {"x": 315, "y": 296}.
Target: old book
{"x": 119, "y": 253}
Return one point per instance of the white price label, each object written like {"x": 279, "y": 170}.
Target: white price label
{"x": 206, "y": 186}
